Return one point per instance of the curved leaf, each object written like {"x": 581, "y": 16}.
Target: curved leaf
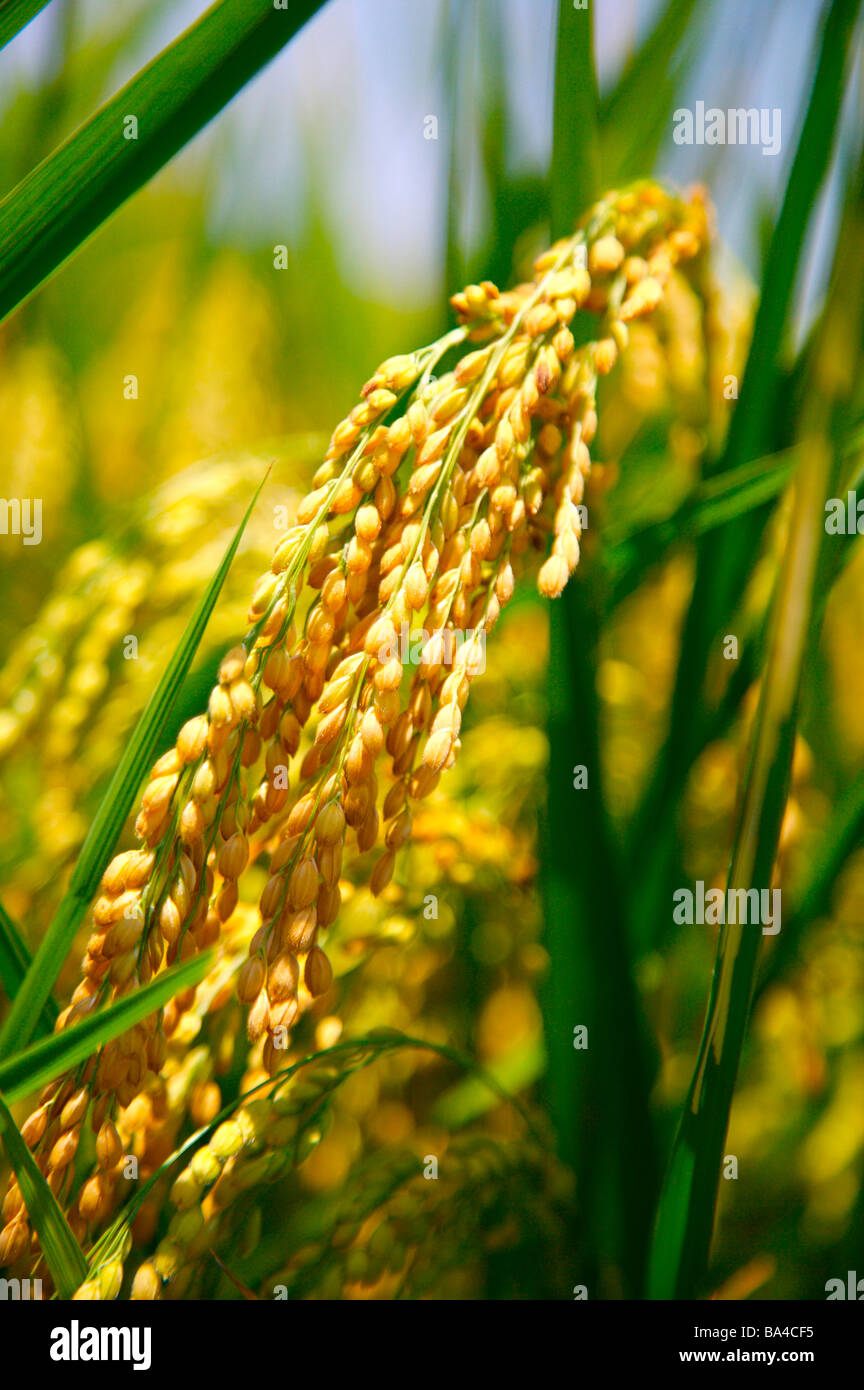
{"x": 66, "y": 197}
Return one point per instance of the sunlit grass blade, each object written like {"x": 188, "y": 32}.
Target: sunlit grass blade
{"x": 724, "y": 563}
{"x": 575, "y": 175}
{"x": 686, "y": 1213}
{"x": 15, "y": 14}
{"x": 41, "y": 1062}
{"x": 473, "y": 59}
{"x": 854, "y": 446}
{"x": 477, "y": 114}
{"x": 843, "y": 835}
{"x": 71, "y": 193}
{"x": 63, "y": 1254}
{"x": 687, "y": 1209}
{"x": 750, "y": 429}
{"x": 14, "y": 956}
{"x": 635, "y": 115}
{"x": 713, "y": 503}
{"x": 14, "y": 964}
{"x": 109, "y": 818}
{"x": 598, "y": 1098}
{"x": 844, "y": 832}
{"x": 572, "y": 188}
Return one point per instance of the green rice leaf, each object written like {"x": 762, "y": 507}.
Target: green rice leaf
{"x": 598, "y": 1098}
{"x": 635, "y": 115}
{"x": 109, "y": 818}
{"x": 685, "y": 1217}
{"x": 63, "y": 1254}
{"x": 575, "y": 176}
{"x": 758, "y": 425}
{"x": 15, "y": 14}
{"x": 687, "y": 1209}
{"x": 843, "y": 835}
{"x": 14, "y": 964}
{"x": 40, "y": 1063}
{"x": 72, "y": 192}
{"x": 714, "y": 503}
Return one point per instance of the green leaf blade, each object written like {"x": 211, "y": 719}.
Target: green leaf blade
{"x": 575, "y": 174}
{"x": 14, "y": 964}
{"x": 72, "y": 192}
{"x": 15, "y": 15}
{"x": 27, "y": 1071}
{"x": 686, "y": 1212}
{"x": 63, "y": 1254}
